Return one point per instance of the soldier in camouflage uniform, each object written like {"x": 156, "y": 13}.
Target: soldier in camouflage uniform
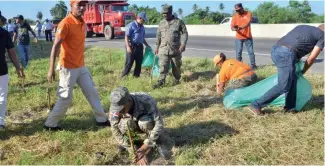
{"x": 171, "y": 42}
{"x": 140, "y": 112}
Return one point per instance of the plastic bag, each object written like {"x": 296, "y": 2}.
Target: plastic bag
{"x": 244, "y": 96}
{"x": 150, "y": 62}
{"x": 149, "y": 58}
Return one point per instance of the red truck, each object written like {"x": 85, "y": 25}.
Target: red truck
{"x": 107, "y": 17}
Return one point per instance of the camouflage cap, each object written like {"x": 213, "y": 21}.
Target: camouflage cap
{"x": 167, "y": 9}
{"x": 119, "y": 97}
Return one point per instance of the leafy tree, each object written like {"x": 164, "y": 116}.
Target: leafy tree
{"x": 295, "y": 12}
{"x": 207, "y": 9}
{"x": 39, "y": 15}
{"x": 153, "y": 16}
{"x": 59, "y": 11}
{"x": 267, "y": 13}
{"x": 29, "y": 21}
{"x": 221, "y": 7}
{"x": 195, "y": 7}
{"x": 180, "y": 12}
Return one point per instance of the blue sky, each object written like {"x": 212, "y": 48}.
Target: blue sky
{"x": 29, "y": 8}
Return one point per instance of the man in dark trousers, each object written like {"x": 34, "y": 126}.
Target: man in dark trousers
{"x": 134, "y": 40}
{"x": 300, "y": 41}
{"x": 6, "y": 44}
{"x": 47, "y": 28}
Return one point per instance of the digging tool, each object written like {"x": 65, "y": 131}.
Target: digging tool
{"x": 131, "y": 140}
{"x": 48, "y": 97}
{"x": 151, "y": 73}
{"x": 110, "y": 57}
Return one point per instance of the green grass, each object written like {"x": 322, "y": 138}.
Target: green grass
{"x": 203, "y": 131}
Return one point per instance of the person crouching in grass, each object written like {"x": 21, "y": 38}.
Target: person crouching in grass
{"x": 233, "y": 74}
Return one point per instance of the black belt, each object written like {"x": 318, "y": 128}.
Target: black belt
{"x": 137, "y": 44}
{"x": 289, "y": 47}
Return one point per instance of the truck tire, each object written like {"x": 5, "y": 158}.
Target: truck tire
{"x": 108, "y": 32}
{"x": 89, "y": 34}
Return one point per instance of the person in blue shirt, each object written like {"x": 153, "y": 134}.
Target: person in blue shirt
{"x": 39, "y": 28}
{"x": 134, "y": 40}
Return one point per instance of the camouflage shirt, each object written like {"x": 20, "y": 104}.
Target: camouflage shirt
{"x": 170, "y": 36}
{"x": 143, "y": 105}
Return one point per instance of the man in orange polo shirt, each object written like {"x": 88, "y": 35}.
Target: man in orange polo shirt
{"x": 234, "y": 73}
{"x": 71, "y": 37}
{"x": 241, "y": 23}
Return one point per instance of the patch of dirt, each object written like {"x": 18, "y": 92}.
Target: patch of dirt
{"x": 193, "y": 76}
{"x": 23, "y": 118}
{"x": 201, "y": 89}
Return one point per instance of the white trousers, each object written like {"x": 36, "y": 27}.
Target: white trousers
{"x": 68, "y": 78}
{"x": 4, "y": 80}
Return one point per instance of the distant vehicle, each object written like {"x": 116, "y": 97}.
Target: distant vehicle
{"x": 107, "y": 17}
{"x": 227, "y": 20}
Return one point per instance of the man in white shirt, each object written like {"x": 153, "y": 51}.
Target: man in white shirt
{"x": 11, "y": 27}
{"x": 47, "y": 27}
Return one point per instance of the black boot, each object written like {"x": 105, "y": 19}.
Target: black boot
{"x": 158, "y": 85}
{"x": 176, "y": 82}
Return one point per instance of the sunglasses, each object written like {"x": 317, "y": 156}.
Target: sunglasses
{"x": 238, "y": 10}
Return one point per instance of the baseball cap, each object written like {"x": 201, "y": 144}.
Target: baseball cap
{"x": 77, "y": 1}
{"x": 167, "y": 9}
{"x": 217, "y": 59}
{"x": 20, "y": 17}
{"x": 119, "y": 97}
{"x": 143, "y": 16}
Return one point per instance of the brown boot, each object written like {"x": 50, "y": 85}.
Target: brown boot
{"x": 255, "y": 111}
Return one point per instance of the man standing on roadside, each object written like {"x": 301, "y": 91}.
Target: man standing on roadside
{"x": 300, "y": 41}
{"x": 171, "y": 42}
{"x": 22, "y": 34}
{"x": 47, "y": 28}
{"x": 134, "y": 40}
{"x": 71, "y": 37}
{"x": 241, "y": 23}
{"x": 6, "y": 44}
{"x": 11, "y": 28}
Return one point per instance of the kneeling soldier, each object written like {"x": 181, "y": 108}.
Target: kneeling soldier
{"x": 139, "y": 112}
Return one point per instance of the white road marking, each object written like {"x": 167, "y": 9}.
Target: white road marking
{"x": 202, "y": 49}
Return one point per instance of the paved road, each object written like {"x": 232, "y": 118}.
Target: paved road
{"x": 208, "y": 47}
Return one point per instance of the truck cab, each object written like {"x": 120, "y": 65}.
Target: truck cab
{"x": 107, "y": 18}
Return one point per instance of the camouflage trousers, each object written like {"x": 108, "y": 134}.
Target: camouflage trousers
{"x": 242, "y": 82}
{"x": 163, "y": 144}
{"x": 175, "y": 61}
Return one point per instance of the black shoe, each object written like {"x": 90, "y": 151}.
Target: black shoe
{"x": 286, "y": 110}
{"x": 158, "y": 85}
{"x": 103, "y": 124}
{"x": 176, "y": 82}
{"x": 254, "y": 67}
{"x": 57, "y": 128}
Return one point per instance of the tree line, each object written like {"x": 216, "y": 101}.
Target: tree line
{"x": 266, "y": 12}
